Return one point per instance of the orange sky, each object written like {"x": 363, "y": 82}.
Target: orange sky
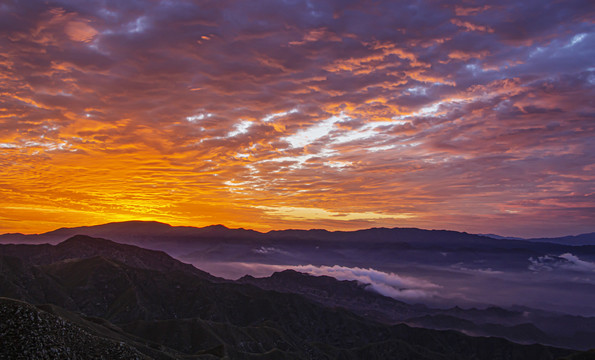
{"x": 315, "y": 116}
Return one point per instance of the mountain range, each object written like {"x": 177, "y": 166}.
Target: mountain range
{"x": 437, "y": 268}
{"x": 140, "y": 303}
{"x": 153, "y": 231}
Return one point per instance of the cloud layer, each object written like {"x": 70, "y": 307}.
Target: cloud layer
{"x": 564, "y": 261}
{"x": 336, "y": 114}
{"x": 406, "y": 288}
{"x": 388, "y": 284}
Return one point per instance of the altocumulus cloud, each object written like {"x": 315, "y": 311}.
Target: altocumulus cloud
{"x": 384, "y": 113}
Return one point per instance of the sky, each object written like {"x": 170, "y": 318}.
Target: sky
{"x": 475, "y": 116}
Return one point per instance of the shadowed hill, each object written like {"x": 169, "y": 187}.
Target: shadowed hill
{"x": 82, "y": 246}
{"x": 582, "y": 239}
{"x": 329, "y": 291}
{"x": 520, "y": 326}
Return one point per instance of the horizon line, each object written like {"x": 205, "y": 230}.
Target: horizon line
{"x": 488, "y": 235}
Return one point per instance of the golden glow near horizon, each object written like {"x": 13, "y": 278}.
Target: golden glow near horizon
{"x": 137, "y": 112}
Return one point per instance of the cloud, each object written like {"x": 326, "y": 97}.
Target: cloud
{"x": 79, "y": 31}
{"x": 388, "y": 284}
{"x": 475, "y": 118}
{"x": 405, "y": 288}
{"x": 578, "y": 264}
{"x": 293, "y": 213}
{"x": 566, "y": 261}
{"x": 481, "y": 271}
{"x": 266, "y": 250}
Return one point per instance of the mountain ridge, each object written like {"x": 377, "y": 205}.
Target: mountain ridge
{"x": 151, "y": 228}
{"x": 84, "y": 246}
{"x": 233, "y": 319}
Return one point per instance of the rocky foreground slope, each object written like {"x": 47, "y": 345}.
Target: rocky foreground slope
{"x": 27, "y": 332}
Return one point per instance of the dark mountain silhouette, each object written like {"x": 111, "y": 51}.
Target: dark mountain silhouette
{"x": 331, "y": 292}
{"x": 582, "y": 239}
{"x": 518, "y": 326}
{"x": 470, "y": 270}
{"x": 82, "y": 246}
{"x": 151, "y": 232}
{"x": 495, "y": 236}
{"x": 133, "y": 232}
{"x": 575, "y": 240}
{"x": 178, "y": 312}
{"x": 370, "y": 247}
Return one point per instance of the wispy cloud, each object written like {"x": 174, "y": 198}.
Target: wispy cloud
{"x": 578, "y": 264}
{"x": 388, "y": 284}
{"x": 405, "y": 288}
{"x": 564, "y": 261}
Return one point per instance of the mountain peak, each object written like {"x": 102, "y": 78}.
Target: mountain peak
{"x": 87, "y": 240}
{"x": 216, "y": 227}
{"x": 290, "y": 273}
{"x": 84, "y": 247}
